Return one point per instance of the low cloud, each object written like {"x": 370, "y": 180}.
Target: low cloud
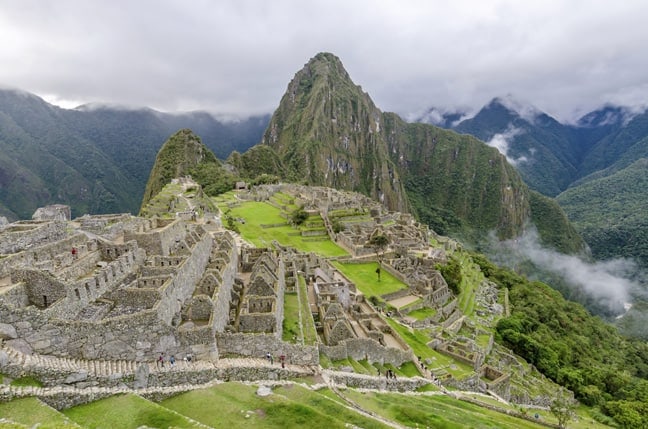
{"x": 502, "y": 142}
{"x": 611, "y": 284}
{"x": 524, "y": 110}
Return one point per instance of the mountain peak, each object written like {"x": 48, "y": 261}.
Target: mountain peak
{"x": 179, "y": 156}
{"x": 519, "y": 108}
{"x": 323, "y": 65}
{"x": 326, "y": 129}
{"x": 608, "y": 115}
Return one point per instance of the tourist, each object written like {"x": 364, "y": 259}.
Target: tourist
{"x": 160, "y": 360}
{"x": 172, "y": 360}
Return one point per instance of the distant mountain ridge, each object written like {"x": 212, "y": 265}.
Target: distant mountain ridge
{"x": 95, "y": 159}
{"x": 578, "y": 163}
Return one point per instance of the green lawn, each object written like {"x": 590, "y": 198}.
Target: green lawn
{"x": 366, "y": 280}
{"x": 234, "y": 405}
{"x": 418, "y": 339}
{"x": 30, "y": 412}
{"x": 423, "y": 313}
{"x": 256, "y": 214}
{"x": 437, "y": 411}
{"x": 126, "y": 411}
{"x": 291, "y": 330}
{"x": 308, "y": 324}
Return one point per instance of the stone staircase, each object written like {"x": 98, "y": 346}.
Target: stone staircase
{"x": 111, "y": 368}
{"x": 97, "y": 368}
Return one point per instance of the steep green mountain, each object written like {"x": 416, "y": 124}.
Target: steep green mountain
{"x": 94, "y": 158}
{"x": 590, "y": 162}
{"x": 43, "y": 162}
{"x": 537, "y": 144}
{"x": 257, "y": 161}
{"x": 610, "y": 212}
{"x": 456, "y": 183}
{"x": 618, "y": 149}
{"x": 184, "y": 154}
{"x": 327, "y": 131}
{"x": 572, "y": 347}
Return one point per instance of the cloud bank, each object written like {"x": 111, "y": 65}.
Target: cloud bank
{"x": 612, "y": 284}
{"x": 237, "y": 56}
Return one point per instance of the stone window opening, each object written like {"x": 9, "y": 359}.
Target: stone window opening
{"x": 76, "y": 292}
{"x": 45, "y": 301}
{"x": 87, "y": 288}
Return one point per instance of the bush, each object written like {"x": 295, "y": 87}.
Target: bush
{"x": 299, "y": 216}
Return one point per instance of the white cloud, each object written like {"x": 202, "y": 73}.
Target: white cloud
{"x": 237, "y": 56}
{"x": 610, "y": 282}
{"x": 502, "y": 142}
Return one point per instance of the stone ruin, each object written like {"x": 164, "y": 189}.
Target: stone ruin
{"x": 124, "y": 288}
{"x": 54, "y": 212}
{"x": 132, "y": 288}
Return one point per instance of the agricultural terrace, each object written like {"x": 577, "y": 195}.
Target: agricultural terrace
{"x": 260, "y": 223}
{"x": 418, "y": 340}
{"x": 366, "y": 279}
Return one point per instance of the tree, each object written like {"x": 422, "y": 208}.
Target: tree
{"x": 299, "y": 216}
{"x": 452, "y": 274}
{"x": 379, "y": 242}
{"x": 562, "y": 407}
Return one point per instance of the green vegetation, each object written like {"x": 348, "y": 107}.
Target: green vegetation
{"x": 555, "y": 230}
{"x": 308, "y": 324}
{"x": 265, "y": 223}
{"x": 610, "y": 213}
{"x": 26, "y": 381}
{"x": 299, "y": 216}
{"x": 126, "y": 411}
{"x": 31, "y": 412}
{"x": 235, "y": 405}
{"x": 259, "y": 164}
{"x": 184, "y": 154}
{"x": 418, "y": 339}
{"x": 422, "y": 313}
{"x": 451, "y": 272}
{"x": 434, "y": 411}
{"x": 364, "y": 277}
{"x": 291, "y": 330}
{"x": 572, "y": 347}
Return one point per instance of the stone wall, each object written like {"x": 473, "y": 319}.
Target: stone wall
{"x": 395, "y": 295}
{"x": 181, "y": 287}
{"x": 22, "y": 235}
{"x": 362, "y": 381}
{"x": 257, "y": 345}
{"x": 48, "y": 254}
{"x": 161, "y": 240}
{"x": 367, "y": 349}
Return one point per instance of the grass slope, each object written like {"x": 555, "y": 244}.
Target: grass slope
{"x": 258, "y": 227}
{"x": 366, "y": 280}
{"x": 31, "y": 412}
{"x": 127, "y": 411}
{"x": 235, "y": 405}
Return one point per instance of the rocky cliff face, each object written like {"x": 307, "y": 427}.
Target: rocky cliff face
{"x": 328, "y": 132}
{"x": 456, "y": 183}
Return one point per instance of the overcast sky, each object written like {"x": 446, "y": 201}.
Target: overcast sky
{"x": 236, "y": 57}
